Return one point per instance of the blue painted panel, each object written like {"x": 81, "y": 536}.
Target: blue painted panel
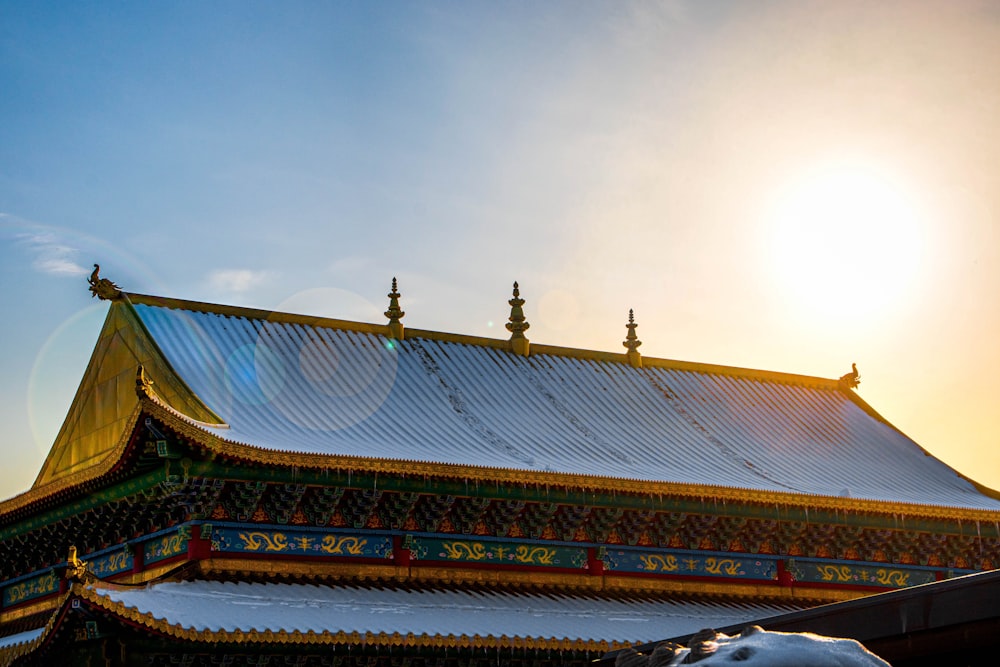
{"x": 230, "y": 539}
{"x": 686, "y": 563}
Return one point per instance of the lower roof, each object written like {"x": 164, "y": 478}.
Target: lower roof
{"x": 289, "y": 613}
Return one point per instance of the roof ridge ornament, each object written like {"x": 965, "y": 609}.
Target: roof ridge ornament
{"x": 632, "y": 342}
{"x": 395, "y": 314}
{"x": 102, "y": 288}
{"x": 851, "y": 380}
{"x": 143, "y": 385}
{"x": 76, "y": 569}
{"x": 519, "y": 344}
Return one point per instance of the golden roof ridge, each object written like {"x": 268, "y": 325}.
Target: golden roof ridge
{"x": 484, "y": 341}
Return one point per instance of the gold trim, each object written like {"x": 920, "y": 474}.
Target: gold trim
{"x": 31, "y": 609}
{"x": 705, "y": 493}
{"x": 221, "y": 566}
{"x": 155, "y": 399}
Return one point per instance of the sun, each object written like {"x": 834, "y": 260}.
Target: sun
{"x": 846, "y": 241}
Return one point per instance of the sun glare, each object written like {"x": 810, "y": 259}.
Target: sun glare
{"x": 846, "y": 241}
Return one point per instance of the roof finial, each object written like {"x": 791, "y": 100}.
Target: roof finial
{"x": 519, "y": 344}
{"x": 102, "y": 288}
{"x": 851, "y": 380}
{"x": 395, "y": 314}
{"x": 632, "y": 342}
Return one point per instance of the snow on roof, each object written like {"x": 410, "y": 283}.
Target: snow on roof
{"x": 228, "y": 607}
{"x": 21, "y": 637}
{"x": 291, "y": 386}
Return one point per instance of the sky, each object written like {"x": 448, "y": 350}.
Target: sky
{"x": 789, "y": 186}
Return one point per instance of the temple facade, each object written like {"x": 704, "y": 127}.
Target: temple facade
{"x": 244, "y": 487}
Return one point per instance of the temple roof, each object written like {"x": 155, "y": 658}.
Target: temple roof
{"x": 276, "y": 385}
{"x": 287, "y": 613}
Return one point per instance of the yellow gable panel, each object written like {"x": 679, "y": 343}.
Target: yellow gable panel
{"x": 101, "y": 414}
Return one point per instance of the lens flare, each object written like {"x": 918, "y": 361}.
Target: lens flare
{"x": 846, "y": 241}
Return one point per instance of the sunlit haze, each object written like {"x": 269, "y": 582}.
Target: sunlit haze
{"x": 789, "y": 186}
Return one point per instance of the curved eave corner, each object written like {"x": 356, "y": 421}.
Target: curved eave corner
{"x": 52, "y": 488}
{"x": 874, "y": 414}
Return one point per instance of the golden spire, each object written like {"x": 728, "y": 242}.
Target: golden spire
{"x": 395, "y": 314}
{"x": 632, "y": 342}
{"x": 519, "y": 344}
{"x": 102, "y": 288}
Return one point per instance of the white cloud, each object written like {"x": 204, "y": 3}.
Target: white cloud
{"x": 51, "y": 256}
{"x": 238, "y": 280}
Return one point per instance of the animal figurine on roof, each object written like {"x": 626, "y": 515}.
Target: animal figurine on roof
{"x": 755, "y": 647}
{"x": 102, "y": 288}
{"x": 852, "y": 379}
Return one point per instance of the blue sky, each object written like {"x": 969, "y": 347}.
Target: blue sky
{"x": 608, "y": 155}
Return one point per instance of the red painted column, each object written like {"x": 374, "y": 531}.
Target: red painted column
{"x": 401, "y": 555}
{"x": 198, "y": 548}
{"x": 138, "y": 558}
{"x": 785, "y": 577}
{"x": 595, "y": 565}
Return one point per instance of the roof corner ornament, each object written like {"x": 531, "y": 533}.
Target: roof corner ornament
{"x": 102, "y": 288}
{"x": 395, "y": 313}
{"x": 632, "y": 342}
{"x": 851, "y": 380}
{"x": 76, "y": 569}
{"x": 143, "y": 385}
{"x": 519, "y": 344}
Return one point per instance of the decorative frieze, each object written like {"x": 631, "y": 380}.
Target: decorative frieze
{"x": 166, "y": 546}
{"x": 246, "y": 540}
{"x": 31, "y": 589}
{"x": 691, "y": 564}
{"x": 490, "y": 552}
{"x": 858, "y": 574}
